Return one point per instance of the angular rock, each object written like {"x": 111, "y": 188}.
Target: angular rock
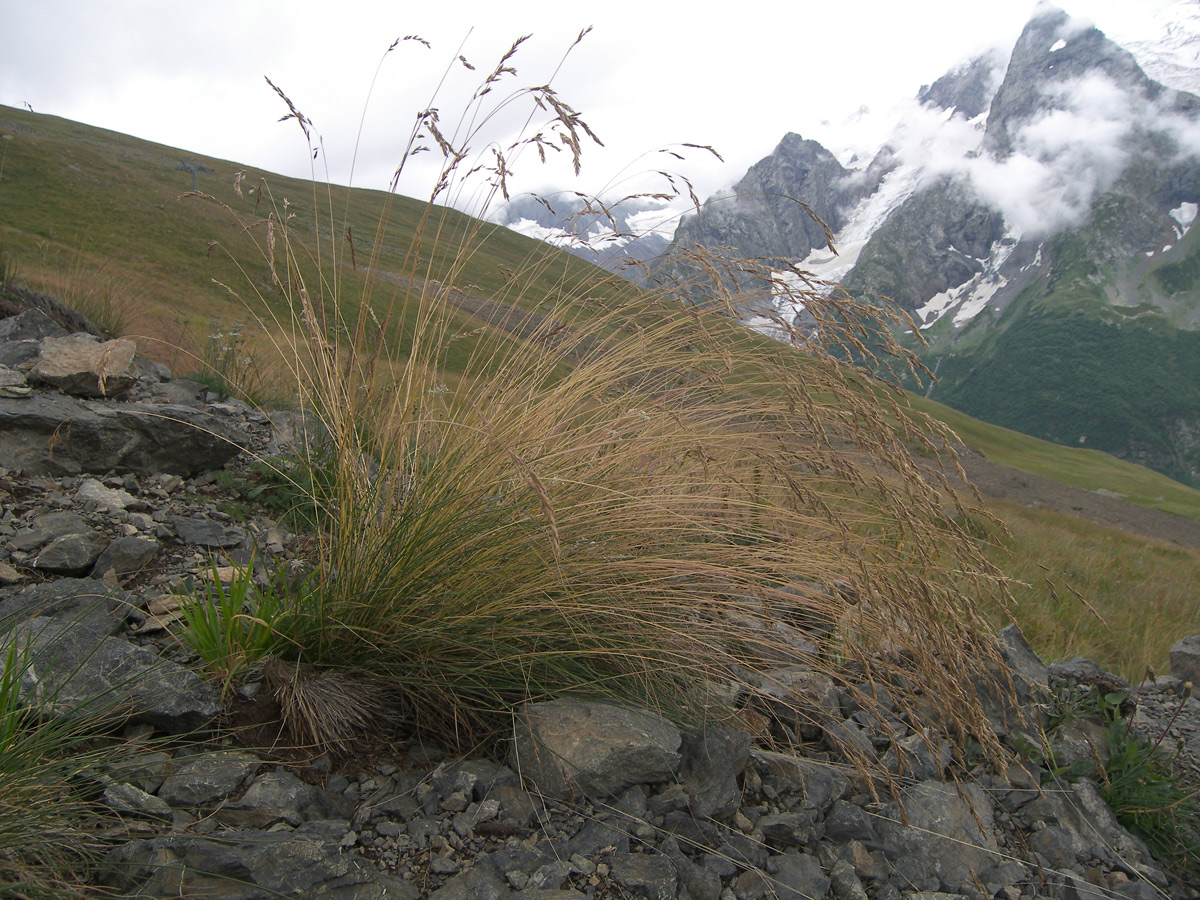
{"x": 1081, "y": 744}
{"x": 951, "y": 833}
{"x": 70, "y": 600}
{"x": 251, "y": 865}
{"x": 83, "y": 367}
{"x": 1030, "y": 672}
{"x": 803, "y": 698}
{"x": 207, "y": 777}
{"x": 565, "y": 748}
{"x": 9, "y": 575}
{"x": 1185, "y": 659}
{"x": 713, "y": 758}
{"x": 71, "y": 668}
{"x": 126, "y": 556}
{"x": 19, "y": 355}
{"x": 111, "y": 499}
{"x": 911, "y": 757}
{"x": 1080, "y": 810}
{"x": 847, "y": 822}
{"x": 30, "y": 325}
{"x": 480, "y": 883}
{"x": 643, "y": 875}
{"x": 129, "y": 800}
{"x": 56, "y": 435}
{"x": 207, "y": 533}
{"x": 13, "y": 383}
{"x": 281, "y": 796}
{"x": 798, "y": 876}
{"x": 789, "y": 829}
{"x": 71, "y": 554}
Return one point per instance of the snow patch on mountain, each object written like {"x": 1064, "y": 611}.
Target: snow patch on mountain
{"x": 1166, "y": 44}
{"x": 972, "y": 297}
{"x": 1185, "y": 215}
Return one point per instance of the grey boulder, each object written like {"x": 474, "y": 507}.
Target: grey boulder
{"x": 568, "y": 748}
{"x": 56, "y": 435}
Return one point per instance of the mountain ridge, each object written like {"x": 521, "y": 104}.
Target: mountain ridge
{"x": 1061, "y": 194}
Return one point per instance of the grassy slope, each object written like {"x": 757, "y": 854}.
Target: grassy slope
{"x": 110, "y": 202}
{"x": 1087, "y": 469}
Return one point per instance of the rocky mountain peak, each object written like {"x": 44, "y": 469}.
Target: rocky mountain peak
{"x": 968, "y": 89}
{"x": 1053, "y": 56}
{"x": 761, "y": 215}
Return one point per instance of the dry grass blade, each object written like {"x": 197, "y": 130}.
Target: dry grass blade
{"x": 329, "y": 710}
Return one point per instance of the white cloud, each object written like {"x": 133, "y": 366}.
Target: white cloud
{"x": 1061, "y": 159}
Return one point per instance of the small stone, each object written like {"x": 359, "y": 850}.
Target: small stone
{"x": 456, "y": 802}
{"x": 444, "y": 865}
{"x": 9, "y": 575}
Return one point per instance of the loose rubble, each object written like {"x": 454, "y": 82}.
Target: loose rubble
{"x": 591, "y": 801}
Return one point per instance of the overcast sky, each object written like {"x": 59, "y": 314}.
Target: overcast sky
{"x": 647, "y": 77}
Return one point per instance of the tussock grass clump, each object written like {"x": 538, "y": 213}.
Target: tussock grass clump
{"x": 602, "y": 490}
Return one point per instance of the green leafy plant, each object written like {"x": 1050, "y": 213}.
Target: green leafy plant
{"x": 1138, "y": 781}
{"x": 237, "y": 625}
{"x": 1141, "y": 787}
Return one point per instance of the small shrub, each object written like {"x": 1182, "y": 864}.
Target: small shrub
{"x": 1138, "y": 781}
{"x": 1149, "y": 799}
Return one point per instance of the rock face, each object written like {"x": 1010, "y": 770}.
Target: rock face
{"x": 936, "y": 241}
{"x": 761, "y": 218}
{"x": 48, "y": 434}
{"x": 74, "y": 422}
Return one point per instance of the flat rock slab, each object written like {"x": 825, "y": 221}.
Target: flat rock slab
{"x": 84, "y": 367}
{"x": 207, "y": 533}
{"x": 206, "y": 778}
{"x": 568, "y": 748}
{"x": 49, "y": 434}
{"x": 74, "y": 667}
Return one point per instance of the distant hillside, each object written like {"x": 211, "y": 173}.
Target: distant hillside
{"x": 95, "y": 201}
